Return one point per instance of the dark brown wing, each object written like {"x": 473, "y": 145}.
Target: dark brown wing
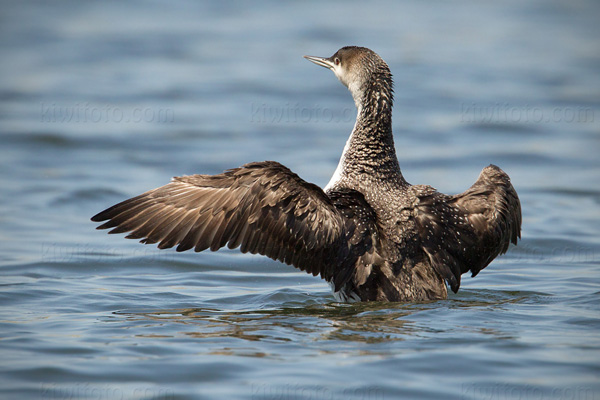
{"x": 467, "y": 231}
{"x": 262, "y": 207}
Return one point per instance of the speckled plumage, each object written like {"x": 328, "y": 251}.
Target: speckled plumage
{"x": 369, "y": 233}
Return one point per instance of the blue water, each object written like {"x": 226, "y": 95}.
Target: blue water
{"x": 100, "y": 101}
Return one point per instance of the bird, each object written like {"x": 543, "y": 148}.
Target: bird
{"x": 369, "y": 233}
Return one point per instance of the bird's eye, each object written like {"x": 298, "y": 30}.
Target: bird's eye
{"x": 336, "y": 61}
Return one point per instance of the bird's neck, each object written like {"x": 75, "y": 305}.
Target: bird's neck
{"x": 370, "y": 156}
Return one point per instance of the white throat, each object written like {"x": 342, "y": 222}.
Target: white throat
{"x": 352, "y": 82}
{"x": 339, "y": 171}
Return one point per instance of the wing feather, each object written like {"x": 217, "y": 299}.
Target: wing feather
{"x": 467, "y": 231}
{"x": 261, "y": 207}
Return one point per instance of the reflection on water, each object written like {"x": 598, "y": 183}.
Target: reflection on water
{"x": 368, "y": 322}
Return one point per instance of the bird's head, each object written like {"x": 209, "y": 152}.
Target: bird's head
{"x": 359, "y": 69}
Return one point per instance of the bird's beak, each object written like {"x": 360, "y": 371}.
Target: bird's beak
{"x": 323, "y": 62}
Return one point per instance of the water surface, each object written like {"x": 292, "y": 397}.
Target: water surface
{"x": 100, "y": 101}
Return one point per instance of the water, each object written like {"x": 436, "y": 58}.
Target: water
{"x": 101, "y": 101}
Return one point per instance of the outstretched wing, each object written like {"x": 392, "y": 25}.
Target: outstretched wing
{"x": 467, "y": 231}
{"x": 262, "y": 207}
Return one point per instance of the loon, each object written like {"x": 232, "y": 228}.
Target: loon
{"x": 369, "y": 233}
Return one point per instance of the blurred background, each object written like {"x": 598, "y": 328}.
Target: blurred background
{"x": 102, "y": 100}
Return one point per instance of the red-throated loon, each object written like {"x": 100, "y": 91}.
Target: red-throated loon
{"x": 369, "y": 233}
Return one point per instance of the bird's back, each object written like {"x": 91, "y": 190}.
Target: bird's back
{"x": 425, "y": 238}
